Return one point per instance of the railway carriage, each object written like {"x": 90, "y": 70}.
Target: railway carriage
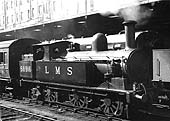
{"x": 10, "y": 54}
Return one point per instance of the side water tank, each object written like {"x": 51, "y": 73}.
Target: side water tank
{"x": 99, "y": 42}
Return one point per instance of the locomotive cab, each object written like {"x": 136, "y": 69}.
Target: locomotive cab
{"x": 50, "y": 50}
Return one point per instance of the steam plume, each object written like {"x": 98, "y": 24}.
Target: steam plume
{"x": 127, "y": 9}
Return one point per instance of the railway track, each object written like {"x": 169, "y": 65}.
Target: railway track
{"x": 26, "y": 110}
{"x": 47, "y": 112}
{"x": 14, "y": 114}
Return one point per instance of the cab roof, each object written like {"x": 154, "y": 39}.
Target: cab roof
{"x": 46, "y": 43}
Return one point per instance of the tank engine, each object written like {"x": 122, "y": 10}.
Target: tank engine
{"x": 100, "y": 74}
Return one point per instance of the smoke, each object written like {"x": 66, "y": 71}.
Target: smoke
{"x": 140, "y": 14}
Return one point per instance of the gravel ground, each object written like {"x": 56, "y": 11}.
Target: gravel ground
{"x": 64, "y": 115}
{"x": 57, "y": 113}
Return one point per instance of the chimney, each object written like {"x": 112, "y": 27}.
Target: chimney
{"x": 130, "y": 33}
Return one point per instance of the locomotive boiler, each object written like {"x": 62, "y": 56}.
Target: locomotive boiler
{"x": 111, "y": 76}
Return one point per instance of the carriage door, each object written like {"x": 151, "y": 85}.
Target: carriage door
{"x": 4, "y": 73}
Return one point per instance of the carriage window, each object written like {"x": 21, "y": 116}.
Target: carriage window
{"x": 3, "y": 57}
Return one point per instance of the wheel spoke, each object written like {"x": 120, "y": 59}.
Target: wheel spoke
{"x": 79, "y": 104}
{"x": 81, "y": 101}
{"x": 71, "y": 98}
{"x": 74, "y": 102}
{"x": 111, "y": 109}
{"x": 105, "y": 109}
{"x": 114, "y": 107}
{"x": 52, "y": 98}
{"x": 102, "y": 105}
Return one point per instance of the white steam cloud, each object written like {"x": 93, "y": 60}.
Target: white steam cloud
{"x": 140, "y": 14}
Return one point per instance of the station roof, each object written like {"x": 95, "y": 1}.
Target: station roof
{"x": 92, "y": 24}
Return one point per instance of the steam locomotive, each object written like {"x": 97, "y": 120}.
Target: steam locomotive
{"x": 113, "y": 75}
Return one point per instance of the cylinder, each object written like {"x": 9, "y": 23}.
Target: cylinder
{"x": 130, "y": 33}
